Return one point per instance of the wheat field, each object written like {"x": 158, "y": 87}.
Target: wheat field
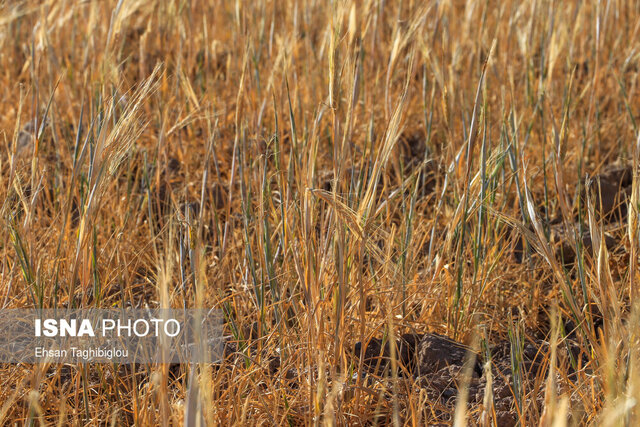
{"x": 408, "y": 212}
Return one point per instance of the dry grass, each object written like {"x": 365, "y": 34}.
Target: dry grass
{"x": 324, "y": 173}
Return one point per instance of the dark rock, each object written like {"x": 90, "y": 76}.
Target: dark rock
{"x": 560, "y": 237}
{"x": 375, "y": 357}
{"x": 417, "y": 354}
{"x": 352, "y": 180}
{"x": 174, "y": 165}
{"x": 565, "y": 249}
{"x": 611, "y": 188}
{"x": 413, "y": 146}
{"x": 436, "y": 365}
{"x": 436, "y": 352}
